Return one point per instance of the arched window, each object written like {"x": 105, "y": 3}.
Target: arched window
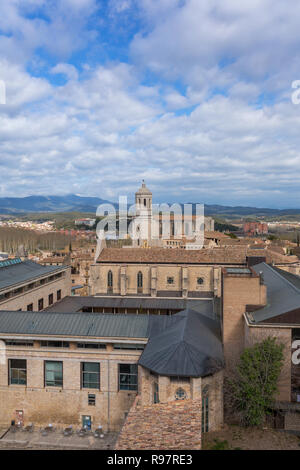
{"x": 110, "y": 281}
{"x": 145, "y": 202}
{"x": 140, "y": 281}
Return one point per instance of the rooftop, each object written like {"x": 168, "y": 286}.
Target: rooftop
{"x": 283, "y": 292}
{"x": 22, "y": 271}
{"x": 162, "y": 255}
{"x": 185, "y": 344}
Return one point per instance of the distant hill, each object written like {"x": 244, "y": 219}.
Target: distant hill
{"x": 74, "y": 203}
{"x": 69, "y": 203}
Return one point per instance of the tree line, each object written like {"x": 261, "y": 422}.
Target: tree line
{"x": 12, "y": 238}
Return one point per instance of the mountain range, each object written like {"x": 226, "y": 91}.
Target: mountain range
{"x": 75, "y": 203}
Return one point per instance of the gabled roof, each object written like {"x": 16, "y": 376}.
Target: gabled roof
{"x": 24, "y": 271}
{"x": 185, "y": 344}
{"x": 283, "y": 292}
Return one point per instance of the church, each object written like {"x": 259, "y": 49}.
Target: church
{"x": 155, "y": 225}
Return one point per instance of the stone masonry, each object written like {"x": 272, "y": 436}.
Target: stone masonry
{"x": 174, "y": 425}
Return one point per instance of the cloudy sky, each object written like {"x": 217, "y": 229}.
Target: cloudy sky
{"x": 194, "y": 96}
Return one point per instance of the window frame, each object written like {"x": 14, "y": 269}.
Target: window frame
{"x": 18, "y": 369}
{"x": 83, "y": 373}
{"x": 131, "y": 387}
{"x": 62, "y": 374}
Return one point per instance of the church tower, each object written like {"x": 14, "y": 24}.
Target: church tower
{"x": 143, "y": 220}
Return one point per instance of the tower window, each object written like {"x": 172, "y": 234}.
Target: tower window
{"x": 140, "y": 281}
{"x": 145, "y": 202}
{"x": 109, "y": 279}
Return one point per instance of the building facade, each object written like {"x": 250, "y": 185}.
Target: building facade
{"x": 26, "y": 285}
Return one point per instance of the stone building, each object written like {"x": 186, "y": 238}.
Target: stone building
{"x": 26, "y": 285}
{"x": 87, "y": 369}
{"x": 152, "y": 228}
{"x": 259, "y": 302}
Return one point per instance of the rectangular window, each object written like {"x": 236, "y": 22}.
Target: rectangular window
{"x": 91, "y": 346}
{"x": 50, "y": 299}
{"x": 138, "y": 347}
{"x": 17, "y": 372}
{"x": 30, "y": 308}
{"x": 55, "y": 344}
{"x": 58, "y": 294}
{"x": 90, "y": 375}
{"x": 53, "y": 374}
{"x": 91, "y": 399}
{"x": 41, "y": 304}
{"x": 18, "y": 342}
{"x": 128, "y": 377}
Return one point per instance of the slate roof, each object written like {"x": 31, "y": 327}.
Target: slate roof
{"x": 74, "y": 324}
{"x": 185, "y": 344}
{"x": 24, "y": 271}
{"x": 283, "y": 292}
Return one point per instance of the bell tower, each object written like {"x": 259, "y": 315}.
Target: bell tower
{"x": 143, "y": 220}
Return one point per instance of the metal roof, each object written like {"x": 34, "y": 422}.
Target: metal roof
{"x": 74, "y": 324}
{"x": 185, "y": 344}
{"x": 283, "y": 292}
{"x": 75, "y": 304}
{"x": 24, "y": 271}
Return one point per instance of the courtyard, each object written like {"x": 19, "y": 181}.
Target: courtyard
{"x": 54, "y": 440}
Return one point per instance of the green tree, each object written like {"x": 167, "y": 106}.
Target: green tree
{"x": 254, "y": 386}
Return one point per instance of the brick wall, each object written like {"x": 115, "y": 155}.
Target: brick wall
{"x": 164, "y": 426}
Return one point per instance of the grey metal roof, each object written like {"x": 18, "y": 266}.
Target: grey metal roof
{"x": 75, "y": 304}
{"x": 283, "y": 292}
{"x": 185, "y": 344}
{"x": 74, "y": 324}
{"x": 25, "y": 271}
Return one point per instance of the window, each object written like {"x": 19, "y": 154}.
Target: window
{"x": 128, "y": 376}
{"x": 50, "y": 299}
{"x": 170, "y": 280}
{"x": 30, "y": 308}
{"x": 17, "y": 373}
{"x": 180, "y": 394}
{"x": 138, "y": 347}
{"x": 90, "y": 375}
{"x": 155, "y": 393}
{"x": 205, "y": 409}
{"x": 91, "y": 399}
{"x": 58, "y": 294}
{"x": 55, "y": 344}
{"x": 140, "y": 281}
{"x": 109, "y": 281}
{"x": 91, "y": 346}
{"x": 41, "y": 304}
{"x": 53, "y": 374}
{"x": 18, "y": 342}
{"x": 200, "y": 280}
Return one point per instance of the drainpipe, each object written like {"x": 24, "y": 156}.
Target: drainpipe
{"x": 108, "y": 395}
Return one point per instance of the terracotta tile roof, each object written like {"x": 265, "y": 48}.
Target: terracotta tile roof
{"x": 162, "y": 255}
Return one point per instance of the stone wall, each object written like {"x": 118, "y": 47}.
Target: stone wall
{"x": 164, "y": 426}
{"x": 238, "y": 292}
{"x": 154, "y": 279}
{"x": 284, "y": 336}
{"x": 65, "y": 405}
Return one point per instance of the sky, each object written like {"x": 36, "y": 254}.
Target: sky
{"x": 193, "y": 96}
